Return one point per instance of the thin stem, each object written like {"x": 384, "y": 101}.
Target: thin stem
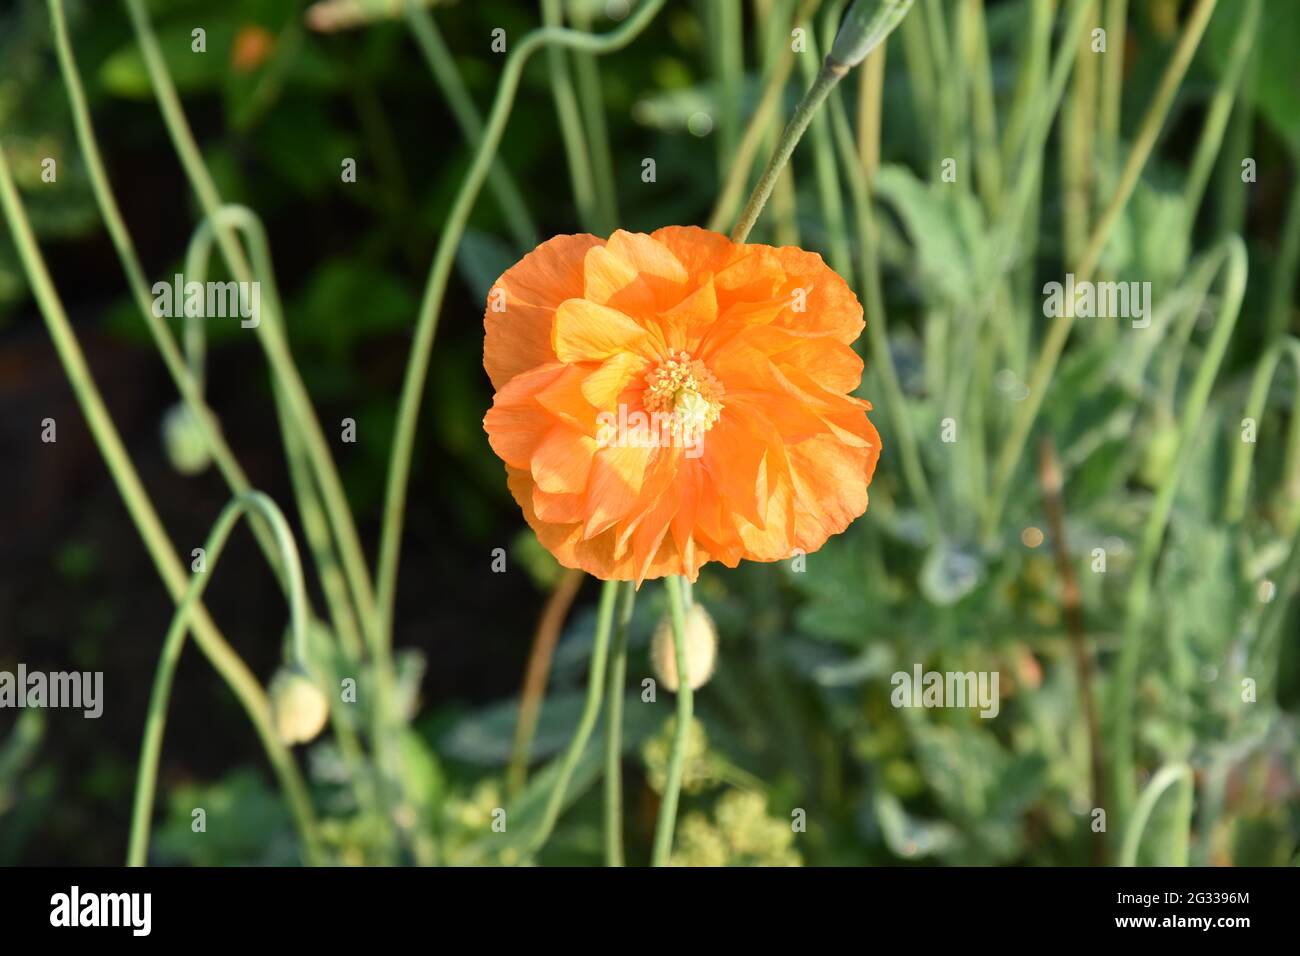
{"x": 1285, "y": 267}
{"x": 156, "y": 718}
{"x": 1216, "y": 118}
{"x": 223, "y": 658}
{"x": 724, "y": 208}
{"x": 1229, "y": 257}
{"x": 537, "y": 675}
{"x": 334, "y": 585}
{"x": 614, "y": 732}
{"x": 408, "y": 413}
{"x": 443, "y": 67}
{"x": 829, "y": 74}
{"x": 587, "y": 70}
{"x": 270, "y": 333}
{"x": 576, "y": 151}
{"x": 664, "y": 827}
{"x": 1165, "y": 778}
{"x": 590, "y": 713}
{"x": 1112, "y": 82}
{"x": 1242, "y": 456}
{"x": 188, "y": 381}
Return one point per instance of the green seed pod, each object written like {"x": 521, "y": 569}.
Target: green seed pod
{"x": 864, "y": 28}
{"x": 183, "y": 440}
{"x": 701, "y": 649}
{"x": 298, "y": 707}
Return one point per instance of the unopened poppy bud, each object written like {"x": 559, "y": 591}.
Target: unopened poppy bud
{"x": 298, "y": 707}
{"x": 183, "y": 440}
{"x": 701, "y": 649}
{"x": 864, "y": 28}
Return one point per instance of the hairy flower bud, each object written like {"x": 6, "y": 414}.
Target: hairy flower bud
{"x": 701, "y": 649}
{"x": 298, "y": 707}
{"x": 864, "y": 28}
{"x": 183, "y": 440}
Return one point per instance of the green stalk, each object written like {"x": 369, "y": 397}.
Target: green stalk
{"x": 223, "y": 658}
{"x": 1282, "y": 287}
{"x": 156, "y": 718}
{"x": 440, "y": 271}
{"x": 1221, "y": 105}
{"x": 664, "y": 827}
{"x": 1112, "y": 83}
{"x": 197, "y": 258}
{"x": 1229, "y": 257}
{"x": 1243, "y": 452}
{"x": 1027, "y": 410}
{"x": 864, "y": 28}
{"x": 1165, "y": 778}
{"x": 443, "y": 67}
{"x": 587, "y": 70}
{"x": 188, "y": 383}
{"x": 576, "y": 151}
{"x": 590, "y": 713}
{"x": 614, "y": 732}
{"x": 724, "y": 208}
{"x": 725, "y": 20}
{"x": 988, "y": 159}
{"x": 828, "y": 184}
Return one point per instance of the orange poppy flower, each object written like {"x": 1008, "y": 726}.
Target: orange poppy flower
{"x": 670, "y": 399}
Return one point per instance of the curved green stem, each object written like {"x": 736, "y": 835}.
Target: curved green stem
{"x": 417, "y": 369}
{"x": 667, "y": 822}
{"x": 223, "y": 658}
{"x": 454, "y": 91}
{"x": 1216, "y": 117}
{"x": 249, "y": 226}
{"x": 587, "y": 722}
{"x": 270, "y": 334}
{"x": 188, "y": 382}
{"x": 1232, "y": 253}
{"x": 1243, "y": 452}
{"x": 614, "y": 732}
{"x": 156, "y": 718}
{"x": 576, "y": 151}
{"x": 829, "y": 74}
{"x": 1165, "y": 778}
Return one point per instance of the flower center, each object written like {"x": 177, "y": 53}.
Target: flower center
{"x": 682, "y": 387}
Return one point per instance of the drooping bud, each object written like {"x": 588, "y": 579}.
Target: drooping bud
{"x": 183, "y": 440}
{"x": 298, "y": 707}
{"x": 864, "y": 28}
{"x": 701, "y": 649}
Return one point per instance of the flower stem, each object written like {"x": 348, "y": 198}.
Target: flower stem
{"x": 590, "y": 713}
{"x": 829, "y": 74}
{"x": 188, "y": 384}
{"x": 454, "y": 91}
{"x": 614, "y": 732}
{"x": 223, "y": 658}
{"x": 417, "y": 369}
{"x": 156, "y": 718}
{"x": 663, "y": 846}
